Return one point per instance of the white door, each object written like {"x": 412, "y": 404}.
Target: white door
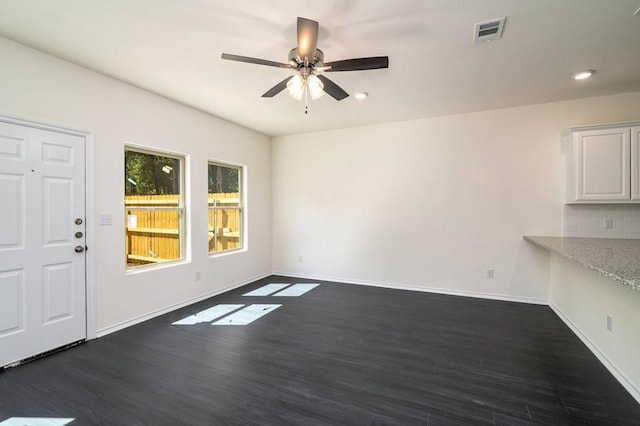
{"x": 42, "y": 277}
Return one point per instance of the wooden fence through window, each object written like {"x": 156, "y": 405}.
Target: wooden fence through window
{"x": 153, "y": 227}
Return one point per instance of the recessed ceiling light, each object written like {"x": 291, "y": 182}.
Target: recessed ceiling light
{"x": 583, "y": 74}
{"x": 360, "y": 96}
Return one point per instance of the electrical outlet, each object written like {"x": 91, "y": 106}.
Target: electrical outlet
{"x": 607, "y": 223}
{"x": 609, "y": 323}
{"x": 299, "y": 259}
{"x": 197, "y": 275}
{"x": 490, "y": 273}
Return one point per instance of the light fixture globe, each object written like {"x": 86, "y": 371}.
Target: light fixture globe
{"x": 296, "y": 86}
{"x": 315, "y": 86}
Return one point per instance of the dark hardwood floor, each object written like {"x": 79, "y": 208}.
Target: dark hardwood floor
{"x": 341, "y": 355}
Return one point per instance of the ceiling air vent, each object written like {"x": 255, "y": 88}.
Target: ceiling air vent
{"x": 489, "y": 30}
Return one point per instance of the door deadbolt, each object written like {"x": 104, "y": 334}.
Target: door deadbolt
{"x": 79, "y": 249}
{"x": 79, "y": 234}
{"x": 78, "y": 221}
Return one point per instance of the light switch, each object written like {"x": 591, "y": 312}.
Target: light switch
{"x": 105, "y": 219}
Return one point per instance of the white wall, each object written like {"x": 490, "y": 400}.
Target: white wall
{"x": 584, "y": 299}
{"x": 38, "y": 86}
{"x": 432, "y": 203}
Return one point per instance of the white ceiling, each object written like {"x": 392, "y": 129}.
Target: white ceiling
{"x": 173, "y": 48}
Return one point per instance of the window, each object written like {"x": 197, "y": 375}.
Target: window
{"x": 225, "y": 208}
{"x": 154, "y": 207}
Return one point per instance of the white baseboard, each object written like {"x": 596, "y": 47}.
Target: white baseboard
{"x": 124, "y": 324}
{"x": 506, "y": 298}
{"x": 609, "y": 365}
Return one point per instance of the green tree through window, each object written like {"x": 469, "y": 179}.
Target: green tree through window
{"x": 223, "y": 179}
{"x": 148, "y": 174}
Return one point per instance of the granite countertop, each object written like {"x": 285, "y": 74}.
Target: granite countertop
{"x": 618, "y": 259}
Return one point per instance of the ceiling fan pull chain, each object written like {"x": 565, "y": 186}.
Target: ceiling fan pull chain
{"x": 306, "y": 98}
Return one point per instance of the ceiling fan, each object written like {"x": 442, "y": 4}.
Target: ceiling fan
{"x": 308, "y": 61}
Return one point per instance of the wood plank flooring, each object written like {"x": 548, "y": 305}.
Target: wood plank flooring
{"x": 339, "y": 354}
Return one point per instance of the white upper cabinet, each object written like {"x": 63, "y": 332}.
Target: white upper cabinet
{"x": 635, "y": 163}
{"x": 603, "y": 164}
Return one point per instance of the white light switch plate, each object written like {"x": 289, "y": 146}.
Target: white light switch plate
{"x": 105, "y": 219}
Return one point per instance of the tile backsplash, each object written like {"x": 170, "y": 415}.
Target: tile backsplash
{"x": 587, "y": 220}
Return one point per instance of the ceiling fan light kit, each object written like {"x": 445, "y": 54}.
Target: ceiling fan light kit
{"x": 308, "y": 62}
{"x": 304, "y": 82}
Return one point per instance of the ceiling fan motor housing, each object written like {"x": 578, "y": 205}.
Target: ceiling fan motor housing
{"x": 296, "y": 61}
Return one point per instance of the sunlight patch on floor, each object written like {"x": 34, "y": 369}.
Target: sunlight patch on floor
{"x": 238, "y": 314}
{"x": 286, "y": 290}
{"x": 35, "y": 421}
{"x": 207, "y": 315}
{"x": 296, "y": 290}
{"x": 247, "y": 315}
{"x": 266, "y": 290}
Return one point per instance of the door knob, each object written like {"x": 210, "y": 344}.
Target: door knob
{"x": 79, "y": 249}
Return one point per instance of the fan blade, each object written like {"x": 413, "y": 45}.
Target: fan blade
{"x": 277, "y": 88}
{"x": 307, "y": 39}
{"x": 332, "y": 89}
{"x": 358, "y": 64}
{"x": 254, "y": 61}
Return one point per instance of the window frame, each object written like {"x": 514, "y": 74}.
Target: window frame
{"x": 240, "y": 207}
{"x": 180, "y": 208}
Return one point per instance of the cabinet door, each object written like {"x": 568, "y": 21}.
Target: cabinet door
{"x": 603, "y": 165}
{"x": 635, "y": 163}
